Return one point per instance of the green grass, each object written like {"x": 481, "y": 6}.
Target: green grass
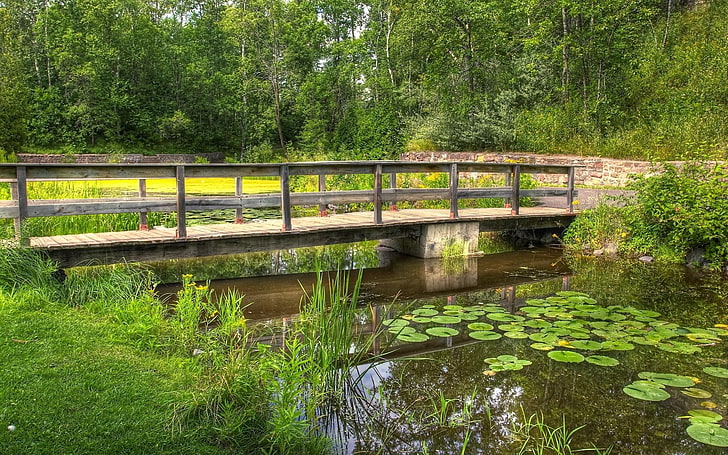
{"x": 74, "y": 383}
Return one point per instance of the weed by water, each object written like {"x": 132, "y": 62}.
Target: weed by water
{"x": 538, "y": 438}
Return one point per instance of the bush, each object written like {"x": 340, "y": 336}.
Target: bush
{"x": 682, "y": 209}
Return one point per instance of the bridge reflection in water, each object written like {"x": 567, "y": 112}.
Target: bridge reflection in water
{"x": 400, "y": 282}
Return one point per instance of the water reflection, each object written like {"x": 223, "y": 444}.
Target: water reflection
{"x": 394, "y": 407}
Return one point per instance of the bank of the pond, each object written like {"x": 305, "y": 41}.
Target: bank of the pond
{"x": 77, "y": 383}
{"x": 678, "y": 215}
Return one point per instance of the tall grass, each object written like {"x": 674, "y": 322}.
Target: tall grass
{"x": 538, "y": 438}
{"x": 76, "y": 224}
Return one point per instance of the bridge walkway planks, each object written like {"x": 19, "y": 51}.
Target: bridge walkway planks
{"x": 215, "y": 239}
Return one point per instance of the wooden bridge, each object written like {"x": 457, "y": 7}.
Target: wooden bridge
{"x": 384, "y": 220}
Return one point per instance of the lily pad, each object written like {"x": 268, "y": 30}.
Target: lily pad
{"x": 718, "y": 372}
{"x": 505, "y": 317}
{"x": 442, "y": 332}
{"x": 602, "y": 360}
{"x": 425, "y": 312}
{"x": 413, "y": 337}
{"x": 404, "y": 330}
{"x": 537, "y": 324}
{"x": 705, "y": 414}
{"x": 484, "y": 335}
{"x": 694, "y": 392}
{"x": 480, "y": 326}
{"x": 543, "y": 337}
{"x": 646, "y": 392}
{"x": 516, "y": 335}
{"x": 617, "y": 346}
{"x": 587, "y": 345}
{"x": 421, "y": 319}
{"x": 709, "y": 433}
{"x": 566, "y": 356}
{"x": 395, "y": 322}
{"x": 669, "y": 379}
{"x": 452, "y": 307}
{"x": 440, "y": 319}
{"x": 542, "y": 346}
{"x": 511, "y": 327}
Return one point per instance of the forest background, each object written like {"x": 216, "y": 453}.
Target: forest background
{"x": 264, "y": 80}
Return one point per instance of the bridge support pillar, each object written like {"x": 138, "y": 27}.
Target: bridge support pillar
{"x": 436, "y": 238}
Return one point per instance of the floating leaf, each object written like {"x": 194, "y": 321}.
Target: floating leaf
{"x": 484, "y": 335}
{"x": 445, "y": 319}
{"x": 468, "y": 317}
{"x": 480, "y": 326}
{"x": 697, "y": 393}
{"x": 442, "y": 332}
{"x": 602, "y": 360}
{"x": 395, "y": 322}
{"x": 512, "y": 327}
{"x": 537, "y": 324}
{"x": 542, "y": 346}
{"x": 708, "y": 404}
{"x": 709, "y": 433}
{"x": 452, "y": 307}
{"x": 506, "y": 358}
{"x": 413, "y": 337}
{"x": 421, "y": 319}
{"x": 543, "y": 337}
{"x": 718, "y": 372}
{"x": 425, "y": 312}
{"x": 566, "y": 356}
{"x": 617, "y": 346}
{"x": 587, "y": 345}
{"x": 401, "y": 330}
{"x": 669, "y": 379}
{"x": 704, "y": 413}
{"x": 516, "y": 335}
{"x": 646, "y": 392}
{"x": 505, "y": 317}
{"x": 452, "y": 312}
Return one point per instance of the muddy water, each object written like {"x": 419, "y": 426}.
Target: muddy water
{"x": 394, "y": 408}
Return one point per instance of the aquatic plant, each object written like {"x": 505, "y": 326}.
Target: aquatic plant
{"x": 536, "y": 437}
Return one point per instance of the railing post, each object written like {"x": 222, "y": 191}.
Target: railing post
{"x": 20, "y": 194}
{"x": 393, "y": 185}
{"x": 570, "y": 191}
{"x": 378, "y": 194}
{"x": 181, "y": 204}
{"x": 239, "y": 194}
{"x": 453, "y": 191}
{"x": 143, "y": 219}
{"x": 508, "y": 183}
{"x": 322, "y": 188}
{"x": 516, "y": 190}
{"x": 285, "y": 198}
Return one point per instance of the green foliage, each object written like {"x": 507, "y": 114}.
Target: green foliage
{"x": 682, "y": 209}
{"x": 674, "y": 211}
{"x": 25, "y": 268}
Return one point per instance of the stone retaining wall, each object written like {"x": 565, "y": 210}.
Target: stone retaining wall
{"x": 592, "y": 171}
{"x": 135, "y": 158}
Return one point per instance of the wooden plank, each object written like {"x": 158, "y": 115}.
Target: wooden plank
{"x": 181, "y": 207}
{"x": 454, "y": 190}
{"x": 285, "y": 198}
{"x": 143, "y": 221}
{"x": 239, "y": 194}
{"x": 378, "y": 194}
{"x": 21, "y": 196}
{"x": 515, "y": 195}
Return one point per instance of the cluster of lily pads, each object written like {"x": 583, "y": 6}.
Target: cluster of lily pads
{"x": 573, "y": 329}
{"x": 570, "y": 321}
{"x": 704, "y": 426}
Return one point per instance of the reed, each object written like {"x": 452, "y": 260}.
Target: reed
{"x": 536, "y": 437}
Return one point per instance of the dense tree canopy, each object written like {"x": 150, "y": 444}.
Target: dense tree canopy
{"x": 343, "y": 78}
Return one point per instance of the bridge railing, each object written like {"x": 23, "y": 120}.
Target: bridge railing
{"x": 20, "y": 207}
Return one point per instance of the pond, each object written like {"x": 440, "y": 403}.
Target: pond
{"x": 492, "y": 354}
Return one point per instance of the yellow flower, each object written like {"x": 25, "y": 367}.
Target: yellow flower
{"x": 201, "y": 288}
{"x": 187, "y": 275}
{"x": 575, "y": 202}
{"x": 624, "y": 234}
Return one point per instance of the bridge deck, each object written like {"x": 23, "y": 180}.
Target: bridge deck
{"x": 214, "y": 239}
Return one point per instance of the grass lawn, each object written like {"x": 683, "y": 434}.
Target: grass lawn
{"x": 75, "y": 383}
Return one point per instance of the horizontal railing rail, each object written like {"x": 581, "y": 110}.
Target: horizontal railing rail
{"x": 20, "y": 207}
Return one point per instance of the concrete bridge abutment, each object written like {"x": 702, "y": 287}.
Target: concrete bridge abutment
{"x": 435, "y": 239}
